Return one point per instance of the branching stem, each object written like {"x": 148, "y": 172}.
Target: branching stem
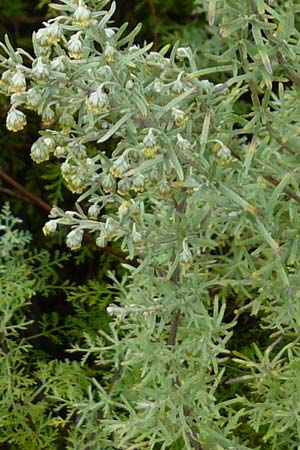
{"x": 175, "y": 320}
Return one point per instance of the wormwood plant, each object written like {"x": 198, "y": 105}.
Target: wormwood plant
{"x": 201, "y": 187}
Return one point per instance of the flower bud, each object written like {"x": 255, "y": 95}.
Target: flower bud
{"x": 74, "y": 239}
{"x": 164, "y": 189}
{"x": 17, "y": 99}
{"x": 154, "y": 176}
{"x": 179, "y": 117}
{"x": 93, "y": 211}
{"x": 41, "y": 149}
{"x": 40, "y": 71}
{"x": 206, "y": 85}
{"x": 157, "y": 86}
{"x": 34, "y": 99}
{"x": 5, "y": 80}
{"x": 75, "y": 46}
{"x": 49, "y": 35}
{"x": 119, "y": 167}
{"x": 97, "y": 102}
{"x": 76, "y": 183}
{"x": 129, "y": 84}
{"x": 109, "y": 33}
{"x": 40, "y": 37}
{"x": 124, "y": 209}
{"x": 150, "y": 147}
{"x": 101, "y": 240}
{"x": 77, "y": 150}
{"x": 61, "y": 151}
{"x": 182, "y": 143}
{"x": 50, "y": 227}
{"x": 50, "y": 143}
{"x": 224, "y": 153}
{"x": 178, "y": 86}
{"x": 186, "y": 257}
{"x": 150, "y": 152}
{"x": 105, "y": 72}
{"x": 107, "y": 182}
{"x": 66, "y": 122}
{"x": 48, "y": 117}
{"x": 57, "y": 64}
{"x": 15, "y": 120}
{"x": 82, "y": 15}
{"x": 18, "y": 82}
{"x": 55, "y": 212}
{"x": 66, "y": 169}
{"x": 54, "y": 33}
{"x": 112, "y": 310}
{"x": 109, "y": 53}
{"x": 138, "y": 183}
{"x": 123, "y": 186}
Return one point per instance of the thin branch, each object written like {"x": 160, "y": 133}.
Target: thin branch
{"x": 291, "y": 194}
{"x": 174, "y": 327}
{"x": 29, "y": 195}
{"x": 11, "y": 193}
{"x": 191, "y": 434}
{"x": 3, "y": 344}
{"x": 176, "y": 314}
{"x": 113, "y": 251}
{"x": 180, "y": 208}
{"x": 175, "y": 320}
{"x": 155, "y": 23}
{"x": 279, "y": 140}
{"x": 253, "y": 6}
{"x": 287, "y": 191}
{"x": 291, "y": 73}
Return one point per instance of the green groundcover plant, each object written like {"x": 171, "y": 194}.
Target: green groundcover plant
{"x": 192, "y": 165}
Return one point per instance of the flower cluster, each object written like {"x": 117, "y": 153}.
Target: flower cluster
{"x": 87, "y": 95}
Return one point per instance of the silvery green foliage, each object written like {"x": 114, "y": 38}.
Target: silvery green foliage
{"x": 202, "y": 191}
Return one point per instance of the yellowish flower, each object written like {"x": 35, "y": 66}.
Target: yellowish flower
{"x": 16, "y": 120}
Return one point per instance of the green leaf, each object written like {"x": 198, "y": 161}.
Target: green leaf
{"x": 114, "y": 128}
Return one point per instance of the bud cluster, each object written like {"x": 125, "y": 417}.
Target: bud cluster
{"x": 78, "y": 174}
{"x": 143, "y": 116}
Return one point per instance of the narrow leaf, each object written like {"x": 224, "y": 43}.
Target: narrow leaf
{"x": 249, "y": 155}
{"x": 238, "y": 199}
{"x": 114, "y": 128}
{"x": 211, "y": 12}
{"x": 176, "y": 164}
{"x": 277, "y": 191}
{"x": 267, "y": 237}
{"x": 178, "y": 99}
{"x": 204, "y": 133}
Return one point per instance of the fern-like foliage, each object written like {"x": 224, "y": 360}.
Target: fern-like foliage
{"x": 37, "y": 389}
{"x": 26, "y": 421}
